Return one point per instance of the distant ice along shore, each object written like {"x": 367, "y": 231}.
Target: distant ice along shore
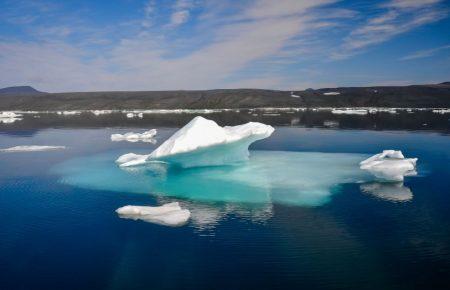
{"x": 147, "y": 136}
{"x": 140, "y": 113}
{"x": 31, "y": 148}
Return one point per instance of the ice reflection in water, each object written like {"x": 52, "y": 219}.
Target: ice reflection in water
{"x": 395, "y": 192}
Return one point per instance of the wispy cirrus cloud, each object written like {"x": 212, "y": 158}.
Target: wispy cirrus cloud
{"x": 196, "y": 44}
{"x": 140, "y": 61}
{"x": 425, "y": 53}
{"x": 398, "y": 17}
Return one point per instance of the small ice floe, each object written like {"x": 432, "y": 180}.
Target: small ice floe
{"x": 395, "y": 192}
{"x": 135, "y": 115}
{"x": 31, "y": 148}
{"x": 170, "y": 214}
{"x": 131, "y": 159}
{"x": 294, "y": 96}
{"x": 441, "y": 111}
{"x": 330, "y": 124}
{"x": 349, "y": 112}
{"x": 390, "y": 165}
{"x": 68, "y": 113}
{"x": 331, "y": 93}
{"x": 384, "y": 110}
{"x": 9, "y": 117}
{"x": 147, "y": 136}
{"x": 101, "y": 112}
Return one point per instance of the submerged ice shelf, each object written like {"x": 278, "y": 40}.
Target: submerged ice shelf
{"x": 203, "y": 143}
{"x": 299, "y": 178}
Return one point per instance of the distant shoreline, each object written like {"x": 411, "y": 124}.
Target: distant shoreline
{"x": 414, "y": 96}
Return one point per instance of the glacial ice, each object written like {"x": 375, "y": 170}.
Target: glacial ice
{"x": 146, "y": 136}
{"x": 441, "y": 111}
{"x": 349, "y": 112}
{"x": 267, "y": 177}
{"x": 9, "y": 117}
{"x": 390, "y": 165}
{"x": 170, "y": 214}
{"x": 31, "y": 148}
{"x": 101, "y": 112}
{"x": 331, "y": 93}
{"x": 69, "y": 113}
{"x": 204, "y": 143}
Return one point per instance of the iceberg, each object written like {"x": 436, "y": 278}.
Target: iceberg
{"x": 390, "y": 165}
{"x": 146, "y": 136}
{"x": 101, "y": 112}
{"x": 203, "y": 142}
{"x": 69, "y": 113}
{"x": 170, "y": 214}
{"x": 349, "y": 112}
{"x": 9, "y": 117}
{"x": 31, "y": 148}
{"x": 441, "y": 111}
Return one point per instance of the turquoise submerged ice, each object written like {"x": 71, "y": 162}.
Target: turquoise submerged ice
{"x": 299, "y": 178}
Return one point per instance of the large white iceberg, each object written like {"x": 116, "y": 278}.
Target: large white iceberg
{"x": 390, "y": 165}
{"x": 170, "y": 214}
{"x": 146, "y": 136}
{"x": 204, "y": 143}
{"x": 31, "y": 148}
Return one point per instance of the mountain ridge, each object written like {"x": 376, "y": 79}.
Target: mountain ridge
{"x": 428, "y": 95}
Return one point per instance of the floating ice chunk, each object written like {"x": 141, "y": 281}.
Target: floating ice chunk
{"x": 442, "y": 111}
{"x": 31, "y": 148}
{"x": 203, "y": 143}
{"x": 101, "y": 112}
{"x": 146, "y": 136}
{"x": 131, "y": 159}
{"x": 390, "y": 165}
{"x": 396, "y": 192}
{"x": 349, "y": 112}
{"x": 332, "y": 93}
{"x": 9, "y": 117}
{"x": 68, "y": 113}
{"x": 170, "y": 214}
{"x": 294, "y": 96}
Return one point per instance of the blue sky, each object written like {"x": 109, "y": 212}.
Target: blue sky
{"x": 83, "y": 45}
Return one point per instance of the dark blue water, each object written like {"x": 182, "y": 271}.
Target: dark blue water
{"x": 55, "y": 235}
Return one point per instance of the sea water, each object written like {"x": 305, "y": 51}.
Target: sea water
{"x": 298, "y": 214}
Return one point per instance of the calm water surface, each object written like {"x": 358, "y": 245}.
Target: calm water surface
{"x": 56, "y": 234}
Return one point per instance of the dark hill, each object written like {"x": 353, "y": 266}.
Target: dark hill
{"x": 434, "y": 95}
{"x": 19, "y": 90}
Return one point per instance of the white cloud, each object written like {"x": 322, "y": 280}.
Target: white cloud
{"x": 141, "y": 61}
{"x": 425, "y": 53}
{"x": 179, "y": 17}
{"x": 400, "y": 16}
